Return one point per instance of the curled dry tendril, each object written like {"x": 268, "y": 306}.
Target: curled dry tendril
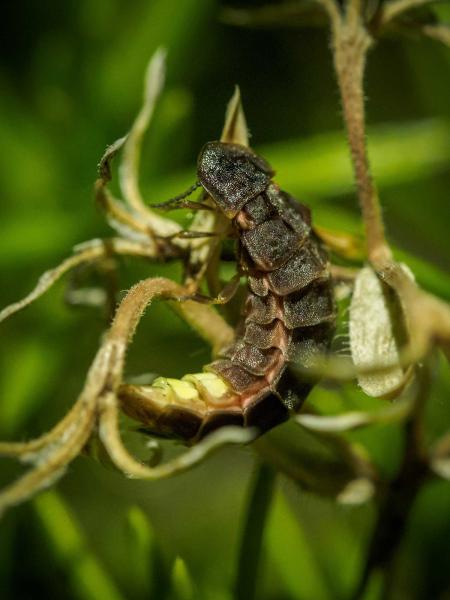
{"x": 97, "y": 407}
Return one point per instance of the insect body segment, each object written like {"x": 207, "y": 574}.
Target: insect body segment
{"x": 288, "y": 316}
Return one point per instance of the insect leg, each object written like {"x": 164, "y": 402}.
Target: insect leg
{"x": 207, "y": 322}
{"x": 184, "y": 204}
{"x": 181, "y": 202}
{"x": 223, "y": 296}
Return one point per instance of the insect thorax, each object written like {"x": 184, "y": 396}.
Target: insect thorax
{"x": 232, "y": 174}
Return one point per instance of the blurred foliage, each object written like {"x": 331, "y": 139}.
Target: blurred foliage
{"x": 71, "y": 77}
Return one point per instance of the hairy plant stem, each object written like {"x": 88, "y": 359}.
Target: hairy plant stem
{"x": 397, "y": 7}
{"x": 249, "y": 555}
{"x": 351, "y": 42}
{"x": 350, "y": 45}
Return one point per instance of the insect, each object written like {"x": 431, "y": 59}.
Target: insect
{"x": 288, "y": 317}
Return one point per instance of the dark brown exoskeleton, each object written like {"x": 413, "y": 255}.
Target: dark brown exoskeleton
{"x": 288, "y": 318}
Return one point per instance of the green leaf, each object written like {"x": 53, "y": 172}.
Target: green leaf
{"x": 290, "y": 550}
{"x": 28, "y": 374}
{"x": 88, "y": 578}
{"x": 320, "y": 166}
{"x": 252, "y": 536}
{"x": 141, "y": 551}
{"x": 182, "y": 585}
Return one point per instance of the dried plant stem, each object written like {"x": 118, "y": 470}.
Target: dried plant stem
{"x": 428, "y": 317}
{"x": 332, "y": 9}
{"x": 397, "y": 7}
{"x": 440, "y": 33}
{"x": 119, "y": 336}
{"x": 353, "y": 11}
{"x": 84, "y": 253}
{"x": 350, "y": 45}
{"x": 31, "y": 450}
{"x": 129, "y": 167}
{"x": 53, "y": 461}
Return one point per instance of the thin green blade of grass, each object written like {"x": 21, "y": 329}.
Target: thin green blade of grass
{"x": 183, "y": 587}
{"x": 319, "y": 166}
{"x": 21, "y": 392}
{"x": 249, "y": 556}
{"x": 148, "y": 574}
{"x": 290, "y": 551}
{"x": 175, "y": 24}
{"x": 141, "y": 547}
{"x": 88, "y": 578}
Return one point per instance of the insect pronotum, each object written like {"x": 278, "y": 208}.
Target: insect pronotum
{"x": 289, "y": 312}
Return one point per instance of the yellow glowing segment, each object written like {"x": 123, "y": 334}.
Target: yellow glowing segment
{"x": 211, "y": 387}
{"x": 212, "y": 382}
{"x": 193, "y": 389}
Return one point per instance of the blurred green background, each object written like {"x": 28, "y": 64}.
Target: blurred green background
{"x": 71, "y": 83}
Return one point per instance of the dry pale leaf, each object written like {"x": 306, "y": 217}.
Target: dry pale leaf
{"x": 377, "y": 334}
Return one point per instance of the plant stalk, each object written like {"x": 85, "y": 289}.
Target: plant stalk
{"x": 351, "y": 42}
{"x": 249, "y": 555}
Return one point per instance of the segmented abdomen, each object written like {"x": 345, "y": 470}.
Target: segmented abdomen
{"x": 289, "y": 311}
{"x": 288, "y": 318}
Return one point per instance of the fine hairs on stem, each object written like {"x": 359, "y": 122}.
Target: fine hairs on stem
{"x": 355, "y": 30}
{"x": 351, "y": 42}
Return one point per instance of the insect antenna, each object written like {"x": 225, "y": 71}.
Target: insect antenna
{"x": 181, "y": 202}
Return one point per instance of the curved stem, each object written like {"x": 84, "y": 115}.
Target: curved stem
{"x": 86, "y": 252}
{"x": 394, "y": 9}
{"x": 332, "y": 9}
